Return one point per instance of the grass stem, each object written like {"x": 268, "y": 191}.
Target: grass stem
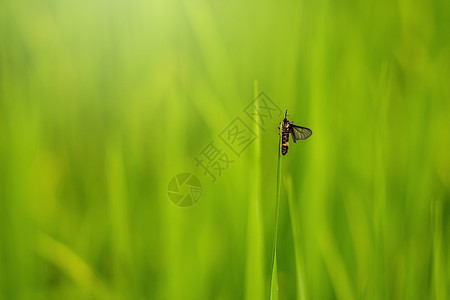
{"x": 274, "y": 277}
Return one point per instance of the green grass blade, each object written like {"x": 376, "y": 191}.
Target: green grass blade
{"x": 255, "y": 247}
{"x": 274, "y": 279}
{"x": 71, "y": 264}
{"x": 299, "y": 264}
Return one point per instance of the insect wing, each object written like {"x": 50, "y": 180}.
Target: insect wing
{"x": 300, "y": 133}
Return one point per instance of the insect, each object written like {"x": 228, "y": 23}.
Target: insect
{"x": 297, "y": 132}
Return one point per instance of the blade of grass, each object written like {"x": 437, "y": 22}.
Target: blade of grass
{"x": 255, "y": 247}
{"x": 274, "y": 279}
{"x": 72, "y": 265}
{"x": 440, "y": 288}
{"x": 336, "y": 266}
{"x": 299, "y": 265}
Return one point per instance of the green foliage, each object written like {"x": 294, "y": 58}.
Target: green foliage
{"x": 103, "y": 102}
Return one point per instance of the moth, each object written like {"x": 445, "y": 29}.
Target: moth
{"x": 297, "y": 133}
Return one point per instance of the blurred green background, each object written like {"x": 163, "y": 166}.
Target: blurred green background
{"x": 103, "y": 102}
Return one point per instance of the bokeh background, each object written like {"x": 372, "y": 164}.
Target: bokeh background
{"x": 103, "y": 102}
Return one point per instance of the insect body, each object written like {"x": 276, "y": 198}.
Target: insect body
{"x": 297, "y": 132}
